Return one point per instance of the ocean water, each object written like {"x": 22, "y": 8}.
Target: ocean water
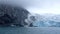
{"x": 29, "y": 30}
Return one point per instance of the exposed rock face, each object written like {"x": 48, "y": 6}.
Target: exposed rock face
{"x": 12, "y": 15}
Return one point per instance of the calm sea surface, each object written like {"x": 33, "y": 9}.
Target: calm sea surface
{"x": 29, "y": 30}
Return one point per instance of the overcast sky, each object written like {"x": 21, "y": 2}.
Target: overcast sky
{"x": 38, "y": 6}
{"x": 46, "y": 6}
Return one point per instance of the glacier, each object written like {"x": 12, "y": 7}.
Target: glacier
{"x": 44, "y": 20}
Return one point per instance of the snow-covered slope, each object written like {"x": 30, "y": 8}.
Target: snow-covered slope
{"x": 45, "y": 20}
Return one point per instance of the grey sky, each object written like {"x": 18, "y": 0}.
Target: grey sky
{"x": 37, "y": 6}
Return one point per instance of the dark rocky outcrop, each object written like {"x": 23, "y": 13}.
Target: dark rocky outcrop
{"x": 12, "y": 15}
